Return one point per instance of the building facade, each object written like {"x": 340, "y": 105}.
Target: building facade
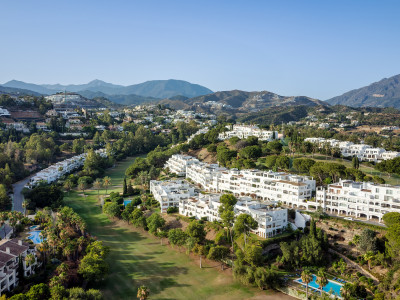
{"x": 362, "y": 151}
{"x": 271, "y": 219}
{"x": 169, "y": 193}
{"x": 358, "y": 199}
{"x": 245, "y": 131}
{"x": 11, "y": 251}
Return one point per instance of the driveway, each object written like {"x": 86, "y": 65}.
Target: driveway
{"x": 18, "y": 198}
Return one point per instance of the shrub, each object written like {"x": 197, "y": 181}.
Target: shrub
{"x": 172, "y": 209}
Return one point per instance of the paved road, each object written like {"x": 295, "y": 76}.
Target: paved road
{"x": 18, "y": 197}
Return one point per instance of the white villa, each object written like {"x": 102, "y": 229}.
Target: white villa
{"x": 169, "y": 193}
{"x": 10, "y": 252}
{"x": 362, "y": 151}
{"x": 271, "y": 220}
{"x": 358, "y": 199}
{"x": 245, "y": 131}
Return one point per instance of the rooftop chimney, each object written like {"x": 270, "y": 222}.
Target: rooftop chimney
{"x": 20, "y": 242}
{"x": 8, "y": 250}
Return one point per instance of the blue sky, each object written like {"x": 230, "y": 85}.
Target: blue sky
{"x": 314, "y": 48}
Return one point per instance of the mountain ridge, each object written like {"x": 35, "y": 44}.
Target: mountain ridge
{"x": 154, "y": 88}
{"x": 237, "y": 101}
{"x": 382, "y": 93}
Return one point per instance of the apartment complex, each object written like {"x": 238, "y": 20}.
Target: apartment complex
{"x": 10, "y": 253}
{"x": 291, "y": 190}
{"x": 169, "y": 193}
{"x": 359, "y": 199}
{"x": 245, "y": 131}
{"x": 177, "y": 164}
{"x": 362, "y": 151}
{"x": 54, "y": 172}
{"x": 271, "y": 220}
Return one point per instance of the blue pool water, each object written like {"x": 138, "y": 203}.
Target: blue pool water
{"x": 332, "y": 285}
{"x": 35, "y": 236}
{"x": 126, "y": 202}
{"x": 34, "y": 227}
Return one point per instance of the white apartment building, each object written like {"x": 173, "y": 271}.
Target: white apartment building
{"x": 169, "y": 193}
{"x": 271, "y": 220}
{"x": 390, "y": 155}
{"x": 372, "y": 154}
{"x": 245, "y": 131}
{"x": 203, "y": 130}
{"x": 54, "y": 172}
{"x": 291, "y": 190}
{"x": 4, "y": 112}
{"x": 177, "y": 163}
{"x": 362, "y": 151}
{"x": 10, "y": 252}
{"x": 359, "y": 199}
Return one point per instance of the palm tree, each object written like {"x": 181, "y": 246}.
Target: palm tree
{"x": 97, "y": 185}
{"x": 369, "y": 256}
{"x": 63, "y": 267}
{"x": 106, "y": 182}
{"x": 30, "y": 260}
{"x": 322, "y": 278}
{"x": 43, "y": 247}
{"x": 55, "y": 281}
{"x": 81, "y": 243}
{"x": 143, "y": 292}
{"x": 25, "y": 205}
{"x": 3, "y": 219}
{"x": 306, "y": 277}
{"x": 67, "y": 251}
{"x": 345, "y": 291}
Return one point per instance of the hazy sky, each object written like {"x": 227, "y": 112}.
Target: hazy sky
{"x": 315, "y": 48}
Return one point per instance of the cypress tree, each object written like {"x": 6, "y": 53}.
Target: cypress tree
{"x": 125, "y": 188}
{"x": 313, "y": 228}
{"x": 20, "y": 270}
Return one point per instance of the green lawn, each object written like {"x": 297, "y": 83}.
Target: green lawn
{"x": 137, "y": 258}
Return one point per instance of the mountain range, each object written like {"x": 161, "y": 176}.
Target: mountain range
{"x": 181, "y": 94}
{"x": 237, "y": 101}
{"x": 155, "y": 88}
{"x": 384, "y": 93}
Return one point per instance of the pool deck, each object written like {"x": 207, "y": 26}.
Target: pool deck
{"x": 315, "y": 287}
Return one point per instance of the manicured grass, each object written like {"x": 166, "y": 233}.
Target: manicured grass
{"x": 137, "y": 258}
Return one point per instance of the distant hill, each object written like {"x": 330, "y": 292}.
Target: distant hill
{"x": 240, "y": 101}
{"x": 276, "y": 115}
{"x": 119, "y": 99}
{"x": 154, "y": 88}
{"x": 17, "y": 92}
{"x": 384, "y": 93}
{"x": 74, "y": 100}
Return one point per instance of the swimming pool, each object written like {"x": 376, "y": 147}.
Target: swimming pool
{"x": 332, "y": 285}
{"x": 126, "y": 202}
{"x": 34, "y": 227}
{"x": 35, "y": 236}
